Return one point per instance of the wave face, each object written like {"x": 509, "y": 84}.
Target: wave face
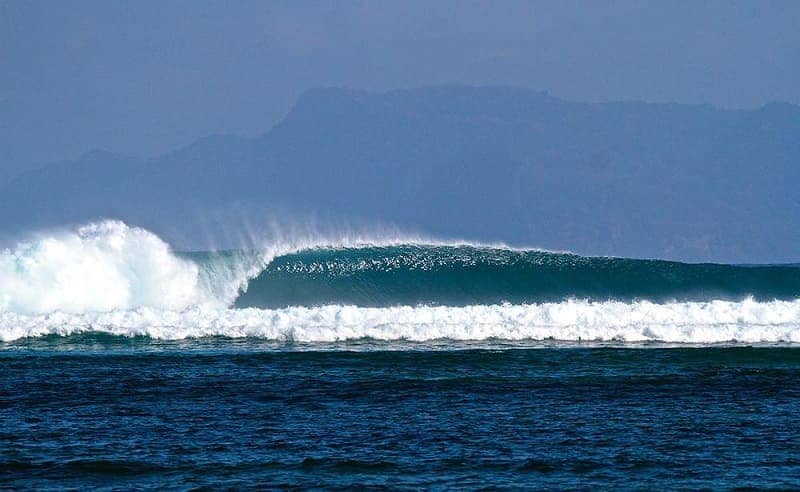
{"x": 469, "y": 275}
{"x": 111, "y": 278}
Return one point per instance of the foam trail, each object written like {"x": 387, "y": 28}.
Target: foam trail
{"x": 746, "y": 321}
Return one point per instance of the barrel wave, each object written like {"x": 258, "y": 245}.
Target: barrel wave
{"x": 110, "y": 278}
{"x": 469, "y": 275}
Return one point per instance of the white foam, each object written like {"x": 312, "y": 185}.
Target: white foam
{"x": 686, "y": 322}
{"x": 97, "y": 267}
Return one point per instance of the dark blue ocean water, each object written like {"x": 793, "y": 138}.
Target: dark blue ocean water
{"x": 94, "y": 411}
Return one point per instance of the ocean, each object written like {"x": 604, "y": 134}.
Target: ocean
{"x": 390, "y": 363}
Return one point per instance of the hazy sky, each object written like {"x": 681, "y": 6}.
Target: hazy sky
{"x": 145, "y": 77}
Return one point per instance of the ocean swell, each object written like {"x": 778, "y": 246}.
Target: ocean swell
{"x": 463, "y": 275}
{"x": 110, "y": 278}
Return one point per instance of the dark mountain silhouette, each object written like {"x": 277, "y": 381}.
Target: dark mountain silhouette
{"x": 631, "y": 179}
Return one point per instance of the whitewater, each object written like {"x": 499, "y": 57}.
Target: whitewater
{"x": 108, "y": 277}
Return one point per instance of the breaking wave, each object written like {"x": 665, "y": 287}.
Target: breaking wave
{"x": 111, "y": 278}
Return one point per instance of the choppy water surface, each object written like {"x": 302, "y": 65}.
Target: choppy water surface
{"x": 99, "y": 411}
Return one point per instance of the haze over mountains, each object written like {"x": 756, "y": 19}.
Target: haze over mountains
{"x": 672, "y": 181}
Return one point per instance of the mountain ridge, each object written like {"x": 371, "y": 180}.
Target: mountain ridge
{"x": 673, "y": 181}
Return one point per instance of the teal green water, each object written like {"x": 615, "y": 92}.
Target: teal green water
{"x": 464, "y": 275}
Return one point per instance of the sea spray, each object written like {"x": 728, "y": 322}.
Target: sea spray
{"x": 97, "y": 267}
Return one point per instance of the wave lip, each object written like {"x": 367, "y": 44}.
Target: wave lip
{"x": 747, "y": 321}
